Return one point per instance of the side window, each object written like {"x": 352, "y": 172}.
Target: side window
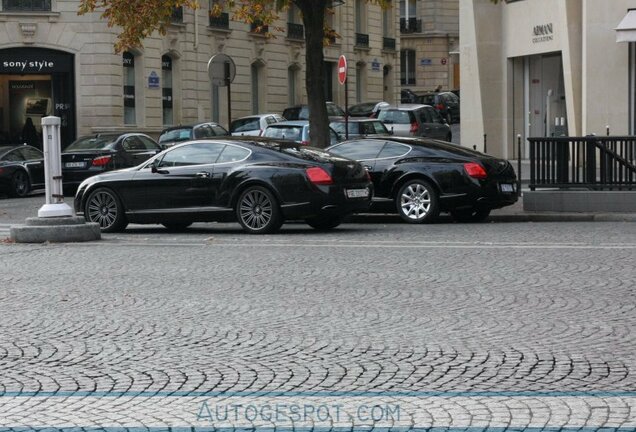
{"x": 367, "y": 128}
{"x": 195, "y": 154}
{"x": 133, "y": 143}
{"x": 358, "y": 150}
{"x": 14, "y": 156}
{"x": 393, "y": 150}
{"x": 218, "y": 130}
{"x": 203, "y": 131}
{"x": 233, "y": 154}
{"x": 426, "y": 115}
{"x": 148, "y": 143}
{"x": 380, "y": 128}
{"x": 435, "y": 117}
{"x": 334, "y": 137}
{"x": 29, "y": 153}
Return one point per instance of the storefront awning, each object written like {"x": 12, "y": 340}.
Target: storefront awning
{"x": 626, "y": 30}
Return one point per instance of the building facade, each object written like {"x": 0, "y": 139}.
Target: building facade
{"x": 544, "y": 68}
{"x": 429, "y": 46}
{"x": 54, "y": 62}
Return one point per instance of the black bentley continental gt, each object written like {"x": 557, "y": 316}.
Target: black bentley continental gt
{"x": 258, "y": 184}
{"x": 422, "y": 177}
{"x": 21, "y": 170}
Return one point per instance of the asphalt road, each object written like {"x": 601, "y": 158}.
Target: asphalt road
{"x": 495, "y": 326}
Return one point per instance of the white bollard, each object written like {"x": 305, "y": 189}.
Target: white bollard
{"x": 55, "y": 205}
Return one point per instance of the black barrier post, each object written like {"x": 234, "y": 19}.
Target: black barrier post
{"x": 519, "y": 165}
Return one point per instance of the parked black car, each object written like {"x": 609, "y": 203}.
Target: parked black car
{"x": 258, "y": 184}
{"x": 446, "y": 104}
{"x": 421, "y": 177}
{"x": 91, "y": 155}
{"x": 178, "y": 134}
{"x": 21, "y": 170}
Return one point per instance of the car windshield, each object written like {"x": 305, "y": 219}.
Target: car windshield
{"x": 173, "y": 135}
{"x": 246, "y": 124}
{"x": 393, "y": 116}
{"x": 293, "y": 133}
{"x": 362, "y": 108}
{"x": 92, "y": 143}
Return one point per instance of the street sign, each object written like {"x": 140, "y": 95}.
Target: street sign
{"x": 153, "y": 80}
{"x": 221, "y": 69}
{"x": 342, "y": 69}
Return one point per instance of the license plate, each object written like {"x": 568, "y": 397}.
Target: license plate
{"x": 74, "y": 164}
{"x": 507, "y": 188}
{"x": 357, "y": 193}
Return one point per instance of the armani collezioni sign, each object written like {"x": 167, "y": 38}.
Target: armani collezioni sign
{"x": 542, "y": 33}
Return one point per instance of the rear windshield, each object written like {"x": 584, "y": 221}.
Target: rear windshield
{"x": 294, "y": 133}
{"x": 243, "y": 125}
{"x": 427, "y": 99}
{"x": 362, "y": 108}
{"x": 395, "y": 116}
{"x": 92, "y": 143}
{"x": 311, "y": 154}
{"x": 174, "y": 135}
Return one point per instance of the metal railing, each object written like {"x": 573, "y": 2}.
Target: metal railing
{"x": 258, "y": 27}
{"x": 362, "y": 40}
{"x": 591, "y": 162}
{"x": 26, "y": 5}
{"x": 222, "y": 21}
{"x": 388, "y": 43}
{"x": 410, "y": 25}
{"x": 295, "y": 31}
{"x": 177, "y": 15}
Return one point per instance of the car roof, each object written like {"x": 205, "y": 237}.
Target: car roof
{"x": 290, "y": 123}
{"x": 258, "y": 116}
{"x": 423, "y": 142}
{"x": 404, "y": 107}
{"x": 354, "y": 120}
{"x": 188, "y": 126}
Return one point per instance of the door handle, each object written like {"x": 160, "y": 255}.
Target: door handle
{"x": 203, "y": 175}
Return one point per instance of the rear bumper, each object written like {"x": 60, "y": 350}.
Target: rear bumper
{"x": 488, "y": 196}
{"x": 329, "y": 201}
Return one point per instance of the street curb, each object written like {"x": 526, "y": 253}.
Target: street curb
{"x": 503, "y": 218}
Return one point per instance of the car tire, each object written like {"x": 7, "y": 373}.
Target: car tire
{"x": 104, "y": 207}
{"x": 176, "y": 226}
{"x": 20, "y": 184}
{"x": 324, "y": 223}
{"x": 470, "y": 215}
{"x": 417, "y": 202}
{"x": 257, "y": 211}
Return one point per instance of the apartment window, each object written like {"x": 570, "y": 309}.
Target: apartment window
{"x": 26, "y": 5}
{"x": 129, "y": 88}
{"x": 407, "y": 67}
{"x": 361, "y": 16}
{"x": 292, "y": 79}
{"x": 166, "y": 91}
{"x": 256, "y": 71}
{"x": 408, "y": 9}
{"x": 387, "y": 21}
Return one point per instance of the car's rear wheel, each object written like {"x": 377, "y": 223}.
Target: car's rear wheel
{"x": 257, "y": 211}
{"x": 104, "y": 207}
{"x": 176, "y": 226}
{"x": 324, "y": 223}
{"x": 417, "y": 202}
{"x": 470, "y": 215}
{"x": 20, "y": 184}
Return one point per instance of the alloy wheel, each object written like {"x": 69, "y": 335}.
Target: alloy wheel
{"x": 102, "y": 208}
{"x": 415, "y": 201}
{"x": 20, "y": 183}
{"x": 256, "y": 209}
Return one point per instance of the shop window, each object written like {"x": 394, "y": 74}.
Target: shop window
{"x": 166, "y": 91}
{"x": 407, "y": 67}
{"x": 26, "y": 5}
{"x": 129, "y": 88}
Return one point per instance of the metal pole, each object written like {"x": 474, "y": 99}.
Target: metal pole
{"x": 346, "y": 86}
{"x": 607, "y": 129}
{"x": 485, "y": 143}
{"x": 519, "y": 164}
{"x": 228, "y": 83}
{"x": 55, "y": 206}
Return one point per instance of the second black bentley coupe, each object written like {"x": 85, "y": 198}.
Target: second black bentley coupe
{"x": 259, "y": 184}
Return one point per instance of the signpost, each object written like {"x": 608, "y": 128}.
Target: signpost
{"x": 342, "y": 79}
{"x": 222, "y": 70}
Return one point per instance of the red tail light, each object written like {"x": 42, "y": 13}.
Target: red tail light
{"x": 304, "y": 142}
{"x": 101, "y": 160}
{"x": 318, "y": 176}
{"x": 414, "y": 128}
{"x": 475, "y": 170}
{"x": 439, "y": 107}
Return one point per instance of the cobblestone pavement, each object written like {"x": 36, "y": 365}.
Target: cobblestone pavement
{"x": 496, "y": 326}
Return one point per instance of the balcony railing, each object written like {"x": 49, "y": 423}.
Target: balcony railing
{"x": 26, "y": 5}
{"x": 410, "y": 25}
{"x": 220, "y": 22}
{"x": 388, "y": 43}
{"x": 295, "y": 31}
{"x": 177, "y": 15}
{"x": 258, "y": 27}
{"x": 362, "y": 40}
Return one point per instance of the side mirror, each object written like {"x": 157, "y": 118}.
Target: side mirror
{"x": 153, "y": 168}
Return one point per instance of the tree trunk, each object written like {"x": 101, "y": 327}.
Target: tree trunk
{"x": 313, "y": 12}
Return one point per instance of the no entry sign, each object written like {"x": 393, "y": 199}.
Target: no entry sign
{"x": 342, "y": 69}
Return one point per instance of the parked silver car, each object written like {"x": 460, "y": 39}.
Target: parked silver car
{"x": 415, "y": 120}
{"x": 295, "y": 130}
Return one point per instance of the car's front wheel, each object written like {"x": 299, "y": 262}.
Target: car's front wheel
{"x": 324, "y": 223}
{"x": 20, "y": 184}
{"x": 257, "y": 211}
{"x": 104, "y": 207}
{"x": 417, "y": 202}
{"x": 470, "y": 215}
